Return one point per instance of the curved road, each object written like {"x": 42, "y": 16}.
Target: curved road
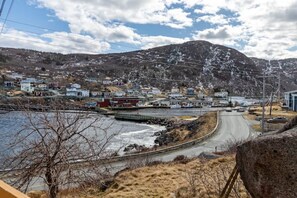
{"x": 232, "y": 127}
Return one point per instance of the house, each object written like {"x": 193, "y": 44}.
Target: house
{"x": 42, "y": 86}
{"x": 221, "y": 94}
{"x": 14, "y": 75}
{"x": 75, "y": 85}
{"x": 96, "y": 93}
{"x": 155, "y": 91}
{"x": 175, "y": 95}
{"x": 124, "y": 101}
{"x": 190, "y": 91}
{"x": 174, "y": 90}
{"x": 107, "y": 81}
{"x": 28, "y": 85}
{"x": 74, "y": 92}
{"x": 291, "y": 100}
{"x": 8, "y": 84}
{"x": 201, "y": 95}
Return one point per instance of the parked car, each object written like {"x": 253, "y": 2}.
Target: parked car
{"x": 241, "y": 110}
{"x": 228, "y": 110}
{"x": 277, "y": 120}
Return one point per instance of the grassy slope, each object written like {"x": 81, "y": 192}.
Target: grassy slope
{"x": 174, "y": 180}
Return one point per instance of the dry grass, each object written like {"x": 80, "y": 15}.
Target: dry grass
{"x": 257, "y": 127}
{"x": 197, "y": 178}
{"x": 188, "y": 118}
{"x": 208, "y": 123}
{"x": 276, "y": 111}
{"x": 249, "y": 116}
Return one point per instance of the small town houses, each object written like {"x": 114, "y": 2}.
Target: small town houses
{"x": 114, "y": 93}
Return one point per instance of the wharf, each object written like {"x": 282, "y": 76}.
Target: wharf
{"x": 133, "y": 117}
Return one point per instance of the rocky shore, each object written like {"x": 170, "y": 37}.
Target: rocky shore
{"x": 177, "y": 131}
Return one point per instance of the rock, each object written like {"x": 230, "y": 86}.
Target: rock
{"x": 135, "y": 147}
{"x": 268, "y": 165}
{"x": 208, "y": 155}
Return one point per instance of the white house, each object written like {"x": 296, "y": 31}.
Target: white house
{"x": 107, "y": 81}
{"x": 175, "y": 95}
{"x": 155, "y": 91}
{"x": 119, "y": 93}
{"x": 75, "y": 85}
{"x": 28, "y": 85}
{"x": 42, "y": 86}
{"x": 74, "y": 92}
{"x": 221, "y": 94}
{"x": 291, "y": 100}
{"x": 174, "y": 90}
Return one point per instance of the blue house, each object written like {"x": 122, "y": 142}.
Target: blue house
{"x": 291, "y": 100}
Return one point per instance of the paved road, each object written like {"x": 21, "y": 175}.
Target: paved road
{"x": 232, "y": 127}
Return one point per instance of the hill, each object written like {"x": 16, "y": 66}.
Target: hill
{"x": 195, "y": 64}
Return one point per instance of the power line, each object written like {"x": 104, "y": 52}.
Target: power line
{"x": 9, "y": 10}
{"x": 2, "y": 6}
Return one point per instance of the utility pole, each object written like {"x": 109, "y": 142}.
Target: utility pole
{"x": 263, "y": 104}
{"x": 263, "y": 99}
{"x": 279, "y": 87}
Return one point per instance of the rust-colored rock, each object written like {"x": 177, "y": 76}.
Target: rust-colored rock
{"x": 268, "y": 165}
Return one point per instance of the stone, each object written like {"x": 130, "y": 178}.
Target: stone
{"x": 208, "y": 155}
{"x": 268, "y": 165}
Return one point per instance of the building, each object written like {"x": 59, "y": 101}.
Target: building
{"x": 190, "y": 91}
{"x": 107, "y": 81}
{"x": 28, "y": 85}
{"x": 75, "y": 85}
{"x": 291, "y": 100}
{"x": 8, "y": 84}
{"x": 74, "y": 92}
{"x": 124, "y": 101}
{"x": 155, "y": 91}
{"x": 221, "y": 94}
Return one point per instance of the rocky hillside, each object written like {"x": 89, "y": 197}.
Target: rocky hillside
{"x": 286, "y": 68}
{"x": 194, "y": 63}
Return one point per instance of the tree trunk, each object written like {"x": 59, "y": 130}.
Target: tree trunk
{"x": 51, "y": 183}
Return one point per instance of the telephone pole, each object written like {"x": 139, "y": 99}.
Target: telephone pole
{"x": 263, "y": 100}
{"x": 279, "y": 87}
{"x": 263, "y": 104}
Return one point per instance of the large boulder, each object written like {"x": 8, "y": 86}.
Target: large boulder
{"x": 268, "y": 165}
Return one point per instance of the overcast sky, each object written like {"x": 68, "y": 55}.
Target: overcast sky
{"x": 260, "y": 28}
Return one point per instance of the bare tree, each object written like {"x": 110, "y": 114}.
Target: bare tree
{"x": 58, "y": 146}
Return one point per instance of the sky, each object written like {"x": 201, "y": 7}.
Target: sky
{"x": 257, "y": 28}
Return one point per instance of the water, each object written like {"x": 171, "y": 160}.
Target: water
{"x": 125, "y": 132}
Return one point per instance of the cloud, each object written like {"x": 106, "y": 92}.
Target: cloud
{"x": 258, "y": 28}
{"x": 214, "y": 19}
{"x": 155, "y": 41}
{"x": 125, "y": 11}
{"x": 53, "y": 42}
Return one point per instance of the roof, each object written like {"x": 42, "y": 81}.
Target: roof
{"x": 295, "y": 91}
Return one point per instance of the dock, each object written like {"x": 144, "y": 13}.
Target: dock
{"x": 133, "y": 117}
